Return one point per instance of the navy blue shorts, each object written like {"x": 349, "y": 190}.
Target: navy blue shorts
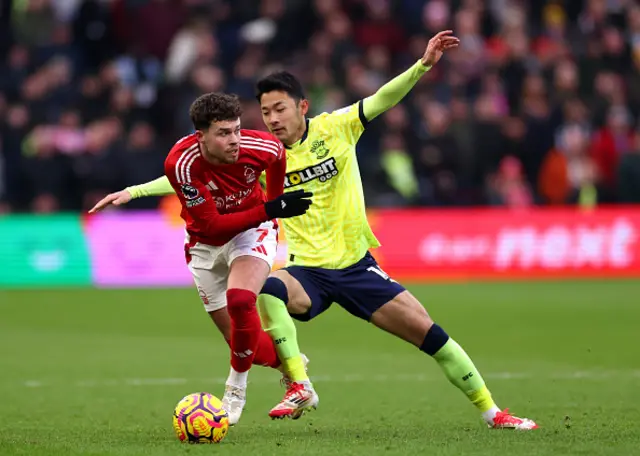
{"x": 360, "y": 289}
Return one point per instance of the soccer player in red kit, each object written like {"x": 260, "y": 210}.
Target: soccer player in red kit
{"x": 231, "y": 228}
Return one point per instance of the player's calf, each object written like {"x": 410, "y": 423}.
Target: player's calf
{"x": 277, "y": 322}
{"x": 245, "y": 328}
{"x": 245, "y": 333}
{"x": 300, "y": 395}
{"x": 406, "y": 318}
{"x": 266, "y": 354}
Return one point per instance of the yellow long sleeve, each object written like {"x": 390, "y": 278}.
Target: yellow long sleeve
{"x": 393, "y": 91}
{"x": 157, "y": 187}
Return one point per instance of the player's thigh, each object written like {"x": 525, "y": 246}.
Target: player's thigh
{"x": 211, "y": 284}
{"x": 248, "y": 273}
{"x": 363, "y": 288}
{"x": 366, "y": 291}
{"x": 310, "y": 291}
{"x": 250, "y": 256}
{"x": 209, "y": 271}
{"x": 405, "y": 317}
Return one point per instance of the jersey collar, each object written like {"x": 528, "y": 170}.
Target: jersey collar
{"x": 303, "y": 139}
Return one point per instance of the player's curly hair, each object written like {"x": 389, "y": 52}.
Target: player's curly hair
{"x": 214, "y": 107}
{"x": 281, "y": 81}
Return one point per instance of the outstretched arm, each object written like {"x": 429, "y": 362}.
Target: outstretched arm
{"x": 158, "y": 187}
{"x": 395, "y": 90}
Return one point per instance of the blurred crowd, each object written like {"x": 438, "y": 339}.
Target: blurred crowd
{"x": 539, "y": 105}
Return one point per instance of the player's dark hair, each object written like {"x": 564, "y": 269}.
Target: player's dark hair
{"x": 214, "y": 107}
{"x": 281, "y": 81}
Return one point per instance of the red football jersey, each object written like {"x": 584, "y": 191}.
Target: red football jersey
{"x": 221, "y": 201}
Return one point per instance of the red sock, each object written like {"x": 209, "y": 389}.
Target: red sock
{"x": 245, "y": 328}
{"x": 266, "y": 354}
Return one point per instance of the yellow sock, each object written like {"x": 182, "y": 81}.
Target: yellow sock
{"x": 277, "y": 322}
{"x": 482, "y": 399}
{"x": 294, "y": 368}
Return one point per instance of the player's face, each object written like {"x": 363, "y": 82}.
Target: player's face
{"x": 283, "y": 116}
{"x": 221, "y": 141}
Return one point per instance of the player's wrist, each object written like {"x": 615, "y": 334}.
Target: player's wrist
{"x": 270, "y": 208}
{"x": 288, "y": 205}
{"x": 422, "y": 66}
{"x": 133, "y": 191}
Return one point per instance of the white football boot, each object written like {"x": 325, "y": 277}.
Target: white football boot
{"x": 233, "y": 402}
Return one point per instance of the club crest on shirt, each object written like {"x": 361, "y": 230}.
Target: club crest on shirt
{"x": 249, "y": 174}
{"x": 318, "y": 147}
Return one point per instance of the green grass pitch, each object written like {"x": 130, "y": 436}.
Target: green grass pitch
{"x": 95, "y": 372}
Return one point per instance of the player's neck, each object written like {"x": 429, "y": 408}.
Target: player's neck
{"x": 212, "y": 160}
{"x": 298, "y": 134}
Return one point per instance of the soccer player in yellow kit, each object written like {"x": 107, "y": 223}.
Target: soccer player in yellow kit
{"x": 329, "y": 259}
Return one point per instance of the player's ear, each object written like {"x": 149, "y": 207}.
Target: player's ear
{"x": 304, "y": 106}
{"x": 199, "y": 135}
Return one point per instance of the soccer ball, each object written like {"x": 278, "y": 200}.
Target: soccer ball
{"x": 200, "y": 418}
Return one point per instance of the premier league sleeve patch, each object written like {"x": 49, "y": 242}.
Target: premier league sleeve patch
{"x": 344, "y": 110}
{"x": 190, "y": 192}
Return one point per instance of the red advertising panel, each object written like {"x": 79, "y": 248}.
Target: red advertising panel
{"x": 460, "y": 244}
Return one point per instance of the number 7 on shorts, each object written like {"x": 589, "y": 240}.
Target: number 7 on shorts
{"x": 263, "y": 234}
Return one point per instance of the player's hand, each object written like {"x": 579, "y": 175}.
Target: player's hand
{"x": 441, "y": 42}
{"x": 117, "y": 199}
{"x": 288, "y": 204}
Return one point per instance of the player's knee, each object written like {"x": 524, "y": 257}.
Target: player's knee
{"x": 276, "y": 288}
{"x": 434, "y": 340}
{"x": 240, "y": 301}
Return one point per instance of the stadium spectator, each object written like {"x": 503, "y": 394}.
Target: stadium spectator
{"x": 90, "y": 91}
{"x": 568, "y": 169}
{"x": 629, "y": 173}
{"x": 509, "y": 187}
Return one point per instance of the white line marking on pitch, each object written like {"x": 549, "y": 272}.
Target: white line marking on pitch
{"x": 348, "y": 378}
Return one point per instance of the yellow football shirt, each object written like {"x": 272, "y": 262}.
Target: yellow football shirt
{"x": 334, "y": 233}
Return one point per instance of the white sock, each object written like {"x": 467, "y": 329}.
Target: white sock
{"x": 237, "y": 379}
{"x": 490, "y": 414}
